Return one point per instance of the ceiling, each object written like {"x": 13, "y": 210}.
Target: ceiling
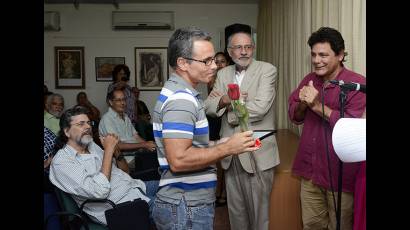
{"x": 153, "y": 1}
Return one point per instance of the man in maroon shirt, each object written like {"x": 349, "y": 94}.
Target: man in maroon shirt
{"x": 315, "y": 155}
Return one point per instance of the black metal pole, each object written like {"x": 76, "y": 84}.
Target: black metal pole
{"x": 342, "y": 101}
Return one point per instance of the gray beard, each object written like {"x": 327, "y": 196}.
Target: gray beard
{"x": 55, "y": 113}
{"x": 85, "y": 140}
{"x": 241, "y": 63}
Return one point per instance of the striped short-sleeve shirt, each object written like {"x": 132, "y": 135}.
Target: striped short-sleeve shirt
{"x": 180, "y": 113}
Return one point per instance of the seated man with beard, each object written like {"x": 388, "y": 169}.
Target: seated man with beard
{"x": 82, "y": 169}
{"x": 54, "y": 109}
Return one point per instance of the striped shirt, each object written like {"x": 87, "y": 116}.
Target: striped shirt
{"x": 179, "y": 113}
{"x": 80, "y": 175}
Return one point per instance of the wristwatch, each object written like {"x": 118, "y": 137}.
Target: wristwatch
{"x": 119, "y": 157}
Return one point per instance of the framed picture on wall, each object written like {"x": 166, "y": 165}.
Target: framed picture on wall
{"x": 151, "y": 67}
{"x": 69, "y": 67}
{"x": 104, "y": 67}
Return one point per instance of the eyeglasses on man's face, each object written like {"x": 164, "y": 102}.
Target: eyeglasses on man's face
{"x": 81, "y": 124}
{"x": 207, "y": 61}
{"x": 239, "y": 47}
{"x": 119, "y": 99}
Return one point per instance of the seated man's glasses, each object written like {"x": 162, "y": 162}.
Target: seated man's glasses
{"x": 119, "y": 99}
{"x": 82, "y": 123}
{"x": 207, "y": 61}
{"x": 239, "y": 47}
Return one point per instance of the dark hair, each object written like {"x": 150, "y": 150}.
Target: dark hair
{"x": 79, "y": 94}
{"x": 65, "y": 121}
{"x": 330, "y": 35}
{"x": 181, "y": 42}
{"x": 220, "y": 53}
{"x": 117, "y": 69}
{"x": 115, "y": 87}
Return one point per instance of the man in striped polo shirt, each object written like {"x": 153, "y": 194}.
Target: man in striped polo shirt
{"x": 186, "y": 196}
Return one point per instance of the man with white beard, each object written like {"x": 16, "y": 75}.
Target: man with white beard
{"x": 248, "y": 188}
{"x": 54, "y": 109}
{"x": 82, "y": 169}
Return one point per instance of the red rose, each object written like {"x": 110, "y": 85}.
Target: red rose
{"x": 233, "y": 91}
{"x": 258, "y": 143}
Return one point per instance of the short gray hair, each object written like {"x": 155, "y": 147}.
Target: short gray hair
{"x": 51, "y": 97}
{"x": 240, "y": 32}
{"x": 181, "y": 42}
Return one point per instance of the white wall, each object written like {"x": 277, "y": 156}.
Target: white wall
{"x": 90, "y": 26}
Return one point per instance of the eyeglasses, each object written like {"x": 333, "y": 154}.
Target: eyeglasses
{"x": 82, "y": 123}
{"x": 207, "y": 61}
{"x": 119, "y": 99}
{"x": 239, "y": 47}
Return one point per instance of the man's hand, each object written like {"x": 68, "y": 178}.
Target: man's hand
{"x": 215, "y": 93}
{"x": 109, "y": 143}
{"x": 309, "y": 95}
{"x": 150, "y": 145}
{"x": 48, "y": 161}
{"x": 240, "y": 142}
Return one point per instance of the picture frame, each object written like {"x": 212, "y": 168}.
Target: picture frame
{"x": 69, "y": 67}
{"x": 151, "y": 67}
{"x": 104, "y": 67}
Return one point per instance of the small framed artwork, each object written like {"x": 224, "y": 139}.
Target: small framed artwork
{"x": 151, "y": 67}
{"x": 104, "y": 67}
{"x": 69, "y": 67}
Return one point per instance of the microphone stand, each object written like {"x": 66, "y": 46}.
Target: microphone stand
{"x": 342, "y": 101}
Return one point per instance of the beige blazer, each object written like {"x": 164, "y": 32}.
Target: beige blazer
{"x": 260, "y": 83}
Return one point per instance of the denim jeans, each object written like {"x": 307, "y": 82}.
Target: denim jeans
{"x": 152, "y": 189}
{"x": 169, "y": 216}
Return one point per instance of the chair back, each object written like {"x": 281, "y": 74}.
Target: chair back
{"x": 66, "y": 202}
{"x": 77, "y": 219}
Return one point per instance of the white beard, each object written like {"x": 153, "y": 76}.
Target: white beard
{"x": 85, "y": 140}
{"x": 241, "y": 63}
{"x": 55, "y": 113}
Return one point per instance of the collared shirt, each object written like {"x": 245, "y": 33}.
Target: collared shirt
{"x": 111, "y": 122}
{"x": 51, "y": 122}
{"x": 179, "y": 113}
{"x": 49, "y": 142}
{"x": 239, "y": 76}
{"x": 80, "y": 175}
{"x": 129, "y": 101}
{"x": 311, "y": 160}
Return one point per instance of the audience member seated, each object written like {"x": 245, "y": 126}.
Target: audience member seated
{"x": 143, "y": 124}
{"x": 82, "y": 169}
{"x": 54, "y": 109}
{"x": 117, "y": 122}
{"x": 46, "y": 95}
{"x": 50, "y": 200}
{"x": 121, "y": 76}
{"x": 93, "y": 114}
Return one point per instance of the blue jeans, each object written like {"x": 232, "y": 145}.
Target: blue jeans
{"x": 152, "y": 189}
{"x": 169, "y": 216}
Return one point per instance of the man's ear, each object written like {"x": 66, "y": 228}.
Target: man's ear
{"x": 181, "y": 63}
{"x": 66, "y": 132}
{"x": 110, "y": 102}
{"x": 230, "y": 53}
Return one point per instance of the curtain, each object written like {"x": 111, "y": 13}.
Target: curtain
{"x": 283, "y": 28}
